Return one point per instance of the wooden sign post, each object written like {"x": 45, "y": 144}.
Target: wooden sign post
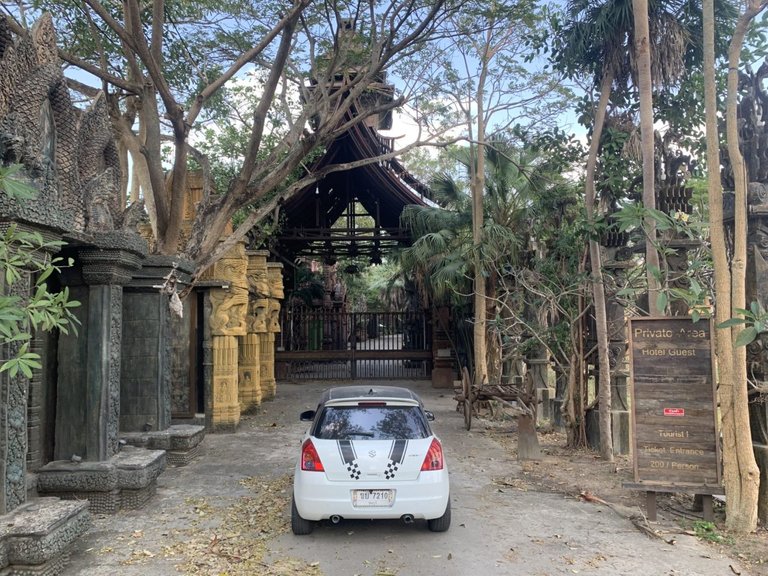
{"x": 674, "y": 416}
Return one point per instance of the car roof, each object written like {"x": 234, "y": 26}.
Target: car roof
{"x": 368, "y": 392}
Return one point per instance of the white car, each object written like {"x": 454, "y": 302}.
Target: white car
{"x": 370, "y": 454}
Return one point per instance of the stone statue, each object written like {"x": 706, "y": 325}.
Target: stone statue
{"x": 259, "y": 310}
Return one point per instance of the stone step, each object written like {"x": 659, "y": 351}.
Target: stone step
{"x": 36, "y": 537}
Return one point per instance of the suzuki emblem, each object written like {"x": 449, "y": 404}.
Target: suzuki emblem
{"x": 372, "y": 453}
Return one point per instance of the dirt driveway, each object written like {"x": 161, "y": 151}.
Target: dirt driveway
{"x": 227, "y": 513}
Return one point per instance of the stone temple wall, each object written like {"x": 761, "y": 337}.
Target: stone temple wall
{"x": 69, "y": 156}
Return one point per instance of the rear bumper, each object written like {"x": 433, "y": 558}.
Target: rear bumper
{"x": 318, "y": 499}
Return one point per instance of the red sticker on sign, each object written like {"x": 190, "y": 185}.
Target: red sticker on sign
{"x": 674, "y": 411}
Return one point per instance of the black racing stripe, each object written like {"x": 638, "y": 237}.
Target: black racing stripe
{"x": 398, "y": 451}
{"x": 347, "y": 451}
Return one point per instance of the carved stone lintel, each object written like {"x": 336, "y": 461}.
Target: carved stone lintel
{"x": 118, "y": 256}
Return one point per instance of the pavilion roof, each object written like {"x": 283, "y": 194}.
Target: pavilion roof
{"x": 383, "y": 188}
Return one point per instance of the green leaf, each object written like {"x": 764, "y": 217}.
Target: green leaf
{"x": 17, "y": 189}
{"x": 695, "y": 316}
{"x": 25, "y": 369}
{"x": 661, "y": 301}
{"x": 731, "y": 322}
{"x": 746, "y": 336}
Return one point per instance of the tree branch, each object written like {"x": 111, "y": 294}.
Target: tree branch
{"x": 244, "y": 59}
{"x": 99, "y": 73}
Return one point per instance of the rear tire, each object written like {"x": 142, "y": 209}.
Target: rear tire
{"x": 444, "y": 522}
{"x": 299, "y": 525}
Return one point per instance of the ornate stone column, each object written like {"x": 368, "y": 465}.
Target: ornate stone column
{"x": 276, "y": 294}
{"x": 617, "y": 358}
{"x": 14, "y": 392}
{"x": 227, "y": 321}
{"x": 260, "y": 327}
{"x": 249, "y": 371}
{"x": 757, "y": 351}
{"x": 88, "y": 399}
{"x": 617, "y": 259}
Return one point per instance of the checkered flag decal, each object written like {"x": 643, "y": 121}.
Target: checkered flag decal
{"x": 349, "y": 458}
{"x": 389, "y": 473}
{"x": 395, "y": 458}
{"x": 354, "y": 470}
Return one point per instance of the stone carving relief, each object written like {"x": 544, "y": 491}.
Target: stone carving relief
{"x": 258, "y": 282}
{"x": 38, "y": 124}
{"x": 273, "y": 316}
{"x": 68, "y": 154}
{"x": 230, "y": 306}
{"x": 258, "y": 315}
{"x": 753, "y": 133}
{"x": 229, "y": 311}
{"x": 753, "y": 114}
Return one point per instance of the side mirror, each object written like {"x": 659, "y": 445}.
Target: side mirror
{"x": 307, "y": 416}
{"x": 430, "y": 416}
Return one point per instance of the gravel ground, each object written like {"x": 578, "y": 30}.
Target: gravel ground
{"x": 227, "y": 514}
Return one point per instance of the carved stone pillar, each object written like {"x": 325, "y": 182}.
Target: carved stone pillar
{"x": 23, "y": 401}
{"x": 250, "y": 350}
{"x": 276, "y": 294}
{"x": 249, "y": 373}
{"x": 226, "y": 406}
{"x": 88, "y": 400}
{"x": 227, "y": 321}
{"x": 13, "y": 425}
{"x": 757, "y": 351}
{"x": 617, "y": 260}
{"x": 617, "y": 356}
{"x": 266, "y": 354}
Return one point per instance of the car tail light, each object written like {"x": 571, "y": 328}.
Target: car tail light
{"x": 434, "y": 458}
{"x": 310, "y": 459}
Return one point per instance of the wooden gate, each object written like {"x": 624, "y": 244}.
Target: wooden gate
{"x": 327, "y": 345}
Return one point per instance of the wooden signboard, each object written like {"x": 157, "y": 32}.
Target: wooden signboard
{"x": 674, "y": 423}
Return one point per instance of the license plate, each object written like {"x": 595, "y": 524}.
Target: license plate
{"x": 373, "y": 498}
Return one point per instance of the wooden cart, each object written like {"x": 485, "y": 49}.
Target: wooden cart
{"x": 469, "y": 395}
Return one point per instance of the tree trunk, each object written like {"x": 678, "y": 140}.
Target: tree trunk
{"x": 722, "y": 274}
{"x": 598, "y": 286}
{"x": 645, "y": 88}
{"x": 477, "y": 186}
{"x": 740, "y": 472}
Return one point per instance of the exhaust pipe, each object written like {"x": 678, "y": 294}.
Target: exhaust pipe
{"x": 407, "y": 518}
{"x": 335, "y": 519}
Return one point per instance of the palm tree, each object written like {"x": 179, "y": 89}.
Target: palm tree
{"x": 442, "y": 255}
{"x": 599, "y": 41}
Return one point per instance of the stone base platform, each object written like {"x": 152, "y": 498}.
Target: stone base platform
{"x": 36, "y": 537}
{"x": 620, "y": 430}
{"x": 180, "y": 441}
{"x": 124, "y": 482}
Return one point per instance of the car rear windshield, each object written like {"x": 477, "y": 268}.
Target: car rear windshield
{"x": 371, "y": 422}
